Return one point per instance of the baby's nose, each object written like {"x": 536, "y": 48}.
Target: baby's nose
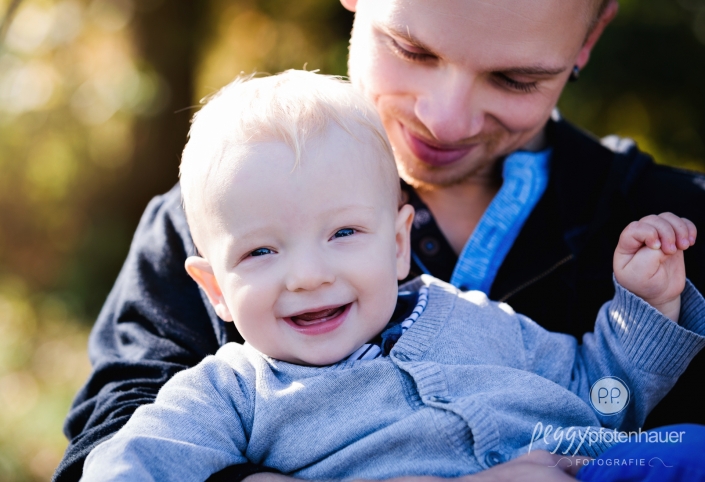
{"x": 308, "y": 272}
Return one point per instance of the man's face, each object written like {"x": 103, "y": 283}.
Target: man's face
{"x": 307, "y": 258}
{"x": 459, "y": 83}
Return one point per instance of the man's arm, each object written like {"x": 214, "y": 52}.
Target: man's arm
{"x": 537, "y": 466}
{"x": 153, "y": 324}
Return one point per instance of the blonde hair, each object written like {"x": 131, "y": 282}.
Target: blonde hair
{"x": 291, "y": 107}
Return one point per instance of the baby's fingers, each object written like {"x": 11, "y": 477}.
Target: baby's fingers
{"x": 643, "y": 232}
{"x": 685, "y": 231}
{"x": 692, "y": 231}
{"x": 666, "y": 232}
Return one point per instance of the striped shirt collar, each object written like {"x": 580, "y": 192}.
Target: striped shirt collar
{"x": 382, "y": 344}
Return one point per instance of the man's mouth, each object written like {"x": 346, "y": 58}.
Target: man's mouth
{"x": 432, "y": 153}
{"x": 319, "y": 321}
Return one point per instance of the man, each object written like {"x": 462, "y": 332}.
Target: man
{"x": 466, "y": 91}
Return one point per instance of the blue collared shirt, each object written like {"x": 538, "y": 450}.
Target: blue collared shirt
{"x": 525, "y": 176}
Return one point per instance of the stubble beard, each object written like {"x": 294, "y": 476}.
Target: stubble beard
{"x": 429, "y": 178}
{"x": 424, "y": 177}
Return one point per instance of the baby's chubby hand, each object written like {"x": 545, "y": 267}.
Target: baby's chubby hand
{"x": 648, "y": 260}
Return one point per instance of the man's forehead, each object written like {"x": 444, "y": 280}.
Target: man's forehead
{"x": 510, "y": 27}
{"x": 467, "y": 10}
{"x": 472, "y": 12}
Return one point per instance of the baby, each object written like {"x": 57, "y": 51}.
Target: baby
{"x": 293, "y": 200}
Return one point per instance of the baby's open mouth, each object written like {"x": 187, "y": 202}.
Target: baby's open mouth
{"x": 316, "y": 317}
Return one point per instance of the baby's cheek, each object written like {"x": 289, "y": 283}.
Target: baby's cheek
{"x": 266, "y": 339}
{"x": 383, "y": 297}
{"x": 380, "y": 274}
{"x": 252, "y": 321}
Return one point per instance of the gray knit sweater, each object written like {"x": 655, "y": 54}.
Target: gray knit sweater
{"x": 462, "y": 390}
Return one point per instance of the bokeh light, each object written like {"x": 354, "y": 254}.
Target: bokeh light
{"x": 95, "y": 100}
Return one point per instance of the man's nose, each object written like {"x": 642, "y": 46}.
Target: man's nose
{"x": 451, "y": 109}
{"x": 307, "y": 272}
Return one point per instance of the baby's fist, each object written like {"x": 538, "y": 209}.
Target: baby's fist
{"x": 648, "y": 260}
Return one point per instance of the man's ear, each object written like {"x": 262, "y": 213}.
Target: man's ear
{"x": 202, "y": 273}
{"x": 349, "y": 4}
{"x": 405, "y": 217}
{"x": 605, "y": 18}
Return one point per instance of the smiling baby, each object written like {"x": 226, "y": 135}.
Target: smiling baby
{"x": 293, "y": 200}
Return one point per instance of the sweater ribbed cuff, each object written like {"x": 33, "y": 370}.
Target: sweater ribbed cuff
{"x": 692, "y": 316}
{"x": 654, "y": 342}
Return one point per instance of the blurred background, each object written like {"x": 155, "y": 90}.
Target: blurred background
{"x": 95, "y": 100}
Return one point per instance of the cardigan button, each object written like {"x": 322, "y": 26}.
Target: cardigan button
{"x": 439, "y": 399}
{"x": 429, "y": 246}
{"x": 493, "y": 458}
{"x": 402, "y": 357}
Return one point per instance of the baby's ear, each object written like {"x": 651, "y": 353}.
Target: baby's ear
{"x": 405, "y": 217}
{"x": 202, "y": 273}
{"x": 349, "y": 4}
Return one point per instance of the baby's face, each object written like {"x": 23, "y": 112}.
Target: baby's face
{"x": 306, "y": 258}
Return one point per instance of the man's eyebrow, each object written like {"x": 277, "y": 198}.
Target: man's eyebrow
{"x": 533, "y": 70}
{"x": 405, "y": 34}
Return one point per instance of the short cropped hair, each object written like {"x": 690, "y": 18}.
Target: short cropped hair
{"x": 598, "y": 8}
{"x": 291, "y": 107}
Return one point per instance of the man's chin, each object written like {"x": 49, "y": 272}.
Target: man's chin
{"x": 430, "y": 178}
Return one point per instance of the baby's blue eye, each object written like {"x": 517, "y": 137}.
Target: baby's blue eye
{"x": 261, "y": 252}
{"x": 341, "y": 233}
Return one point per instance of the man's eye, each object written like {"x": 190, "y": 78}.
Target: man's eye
{"x": 408, "y": 54}
{"x": 261, "y": 252}
{"x": 515, "y": 85}
{"x": 341, "y": 233}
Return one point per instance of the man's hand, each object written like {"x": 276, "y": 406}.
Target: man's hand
{"x": 648, "y": 260}
{"x": 538, "y": 466}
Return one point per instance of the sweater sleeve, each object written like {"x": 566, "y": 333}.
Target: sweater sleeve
{"x": 633, "y": 342}
{"x": 154, "y": 323}
{"x": 199, "y": 424}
